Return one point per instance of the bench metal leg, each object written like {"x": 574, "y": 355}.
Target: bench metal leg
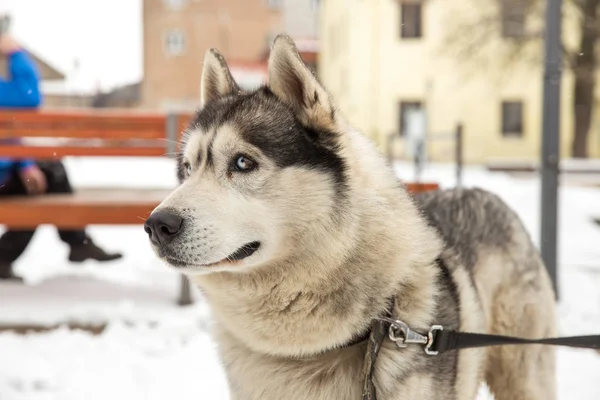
{"x": 185, "y": 293}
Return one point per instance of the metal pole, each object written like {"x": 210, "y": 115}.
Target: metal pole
{"x": 419, "y": 159}
{"x": 390, "y": 149}
{"x": 171, "y": 131}
{"x": 459, "y": 155}
{"x": 185, "y": 292}
{"x": 550, "y": 138}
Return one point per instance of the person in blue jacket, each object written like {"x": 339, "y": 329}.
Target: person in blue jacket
{"x": 20, "y": 90}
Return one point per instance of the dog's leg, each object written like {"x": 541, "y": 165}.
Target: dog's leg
{"x": 525, "y": 309}
{"x": 526, "y": 373}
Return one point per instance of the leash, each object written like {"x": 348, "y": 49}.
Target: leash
{"x": 438, "y": 341}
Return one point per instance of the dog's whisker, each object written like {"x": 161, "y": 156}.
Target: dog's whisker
{"x": 169, "y": 140}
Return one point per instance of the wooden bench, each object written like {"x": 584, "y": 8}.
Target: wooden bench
{"x": 420, "y": 187}
{"x": 56, "y": 134}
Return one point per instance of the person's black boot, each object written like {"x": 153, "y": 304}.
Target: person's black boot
{"x": 88, "y": 250}
{"x": 6, "y": 273}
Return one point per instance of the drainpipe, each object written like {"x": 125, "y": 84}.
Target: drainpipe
{"x": 375, "y": 71}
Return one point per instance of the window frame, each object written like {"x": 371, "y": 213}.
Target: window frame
{"x": 513, "y": 19}
{"x": 419, "y": 33}
{"x": 274, "y": 4}
{"x": 166, "y": 42}
{"x": 402, "y": 106}
{"x": 174, "y": 5}
{"x": 505, "y": 127}
{"x": 314, "y": 5}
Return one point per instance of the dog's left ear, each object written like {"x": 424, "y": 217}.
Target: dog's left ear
{"x": 294, "y": 84}
{"x": 216, "y": 80}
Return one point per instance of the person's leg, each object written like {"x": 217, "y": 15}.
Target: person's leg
{"x": 82, "y": 247}
{"x": 13, "y": 242}
{"x": 58, "y": 182}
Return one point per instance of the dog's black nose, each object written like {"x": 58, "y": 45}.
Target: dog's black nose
{"x": 162, "y": 226}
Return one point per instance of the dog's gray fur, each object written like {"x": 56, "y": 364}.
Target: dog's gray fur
{"x": 339, "y": 237}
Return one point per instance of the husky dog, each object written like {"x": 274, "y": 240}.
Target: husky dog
{"x": 298, "y": 233}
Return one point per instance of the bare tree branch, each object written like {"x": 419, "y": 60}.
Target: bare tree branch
{"x": 494, "y": 34}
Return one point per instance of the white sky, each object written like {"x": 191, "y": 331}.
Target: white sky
{"x": 105, "y": 35}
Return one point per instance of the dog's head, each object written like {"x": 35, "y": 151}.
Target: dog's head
{"x": 262, "y": 174}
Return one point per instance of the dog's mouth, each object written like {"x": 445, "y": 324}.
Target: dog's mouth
{"x": 243, "y": 252}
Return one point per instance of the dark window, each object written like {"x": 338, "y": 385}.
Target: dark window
{"x": 411, "y": 21}
{"x": 513, "y": 13}
{"x": 314, "y": 5}
{"x": 405, "y": 108}
{"x": 174, "y": 4}
{"x": 175, "y": 42}
{"x": 512, "y": 119}
{"x": 274, "y": 4}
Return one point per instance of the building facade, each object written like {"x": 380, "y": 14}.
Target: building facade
{"x": 419, "y": 67}
{"x": 177, "y": 34}
{"x": 300, "y": 18}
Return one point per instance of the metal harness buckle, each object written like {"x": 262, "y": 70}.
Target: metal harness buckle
{"x": 401, "y": 334}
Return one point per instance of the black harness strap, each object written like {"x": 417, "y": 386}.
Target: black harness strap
{"x": 442, "y": 341}
{"x": 451, "y": 340}
{"x": 439, "y": 340}
{"x": 379, "y": 331}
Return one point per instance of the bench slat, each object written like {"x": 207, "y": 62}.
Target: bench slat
{"x": 51, "y": 152}
{"x": 89, "y": 116}
{"x": 87, "y": 133}
{"x": 85, "y": 207}
{"x": 86, "y": 124}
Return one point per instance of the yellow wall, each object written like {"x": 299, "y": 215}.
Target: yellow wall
{"x": 368, "y": 69}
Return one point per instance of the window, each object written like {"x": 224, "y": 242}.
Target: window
{"x": 270, "y": 37}
{"x": 314, "y": 5}
{"x": 513, "y": 14}
{"x": 405, "y": 109}
{"x": 411, "y": 20}
{"x": 512, "y": 118}
{"x": 174, "y": 42}
{"x": 174, "y": 4}
{"x": 274, "y": 4}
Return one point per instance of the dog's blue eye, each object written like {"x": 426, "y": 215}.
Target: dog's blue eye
{"x": 187, "y": 169}
{"x": 244, "y": 164}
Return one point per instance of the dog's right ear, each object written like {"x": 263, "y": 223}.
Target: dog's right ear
{"x": 294, "y": 84}
{"x": 216, "y": 80}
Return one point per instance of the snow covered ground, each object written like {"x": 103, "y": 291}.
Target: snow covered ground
{"x": 155, "y": 350}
